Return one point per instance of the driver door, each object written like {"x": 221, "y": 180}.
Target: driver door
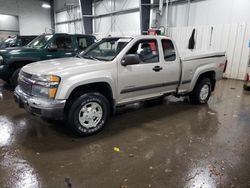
{"x": 143, "y": 80}
{"x": 60, "y": 47}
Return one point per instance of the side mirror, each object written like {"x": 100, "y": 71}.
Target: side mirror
{"x": 130, "y": 59}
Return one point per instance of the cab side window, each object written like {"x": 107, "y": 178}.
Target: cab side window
{"x": 146, "y": 50}
{"x": 62, "y": 42}
{"x": 168, "y": 50}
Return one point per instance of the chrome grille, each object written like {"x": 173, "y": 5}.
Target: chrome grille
{"x": 25, "y": 86}
{"x": 26, "y": 75}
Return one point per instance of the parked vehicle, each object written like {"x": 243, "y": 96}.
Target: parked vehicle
{"x": 44, "y": 47}
{"x": 247, "y": 82}
{"x": 17, "y": 41}
{"x": 113, "y": 72}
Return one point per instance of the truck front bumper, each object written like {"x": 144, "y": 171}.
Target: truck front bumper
{"x": 45, "y": 108}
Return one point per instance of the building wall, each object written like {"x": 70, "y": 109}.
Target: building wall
{"x": 33, "y": 19}
{"x": 9, "y": 25}
{"x": 208, "y": 12}
{"x": 221, "y": 25}
{"x": 123, "y": 24}
{"x": 66, "y": 11}
{"x": 8, "y": 22}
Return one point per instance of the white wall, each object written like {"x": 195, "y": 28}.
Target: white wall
{"x": 72, "y": 27}
{"x": 219, "y": 12}
{"x": 66, "y": 14}
{"x": 232, "y": 38}
{"x": 230, "y": 20}
{"x": 208, "y": 12}
{"x": 33, "y": 19}
{"x": 9, "y": 25}
{"x": 8, "y": 22}
{"x": 123, "y": 24}
{"x": 60, "y": 4}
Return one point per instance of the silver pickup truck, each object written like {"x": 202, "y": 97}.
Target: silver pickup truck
{"x": 115, "y": 71}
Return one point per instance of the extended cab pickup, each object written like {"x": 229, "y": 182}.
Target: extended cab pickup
{"x": 113, "y": 72}
{"x": 43, "y": 47}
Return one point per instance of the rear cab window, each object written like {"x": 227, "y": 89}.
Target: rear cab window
{"x": 84, "y": 42}
{"x": 169, "y": 51}
{"x": 147, "y": 51}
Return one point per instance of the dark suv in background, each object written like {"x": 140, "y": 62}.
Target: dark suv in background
{"x": 44, "y": 47}
{"x": 17, "y": 41}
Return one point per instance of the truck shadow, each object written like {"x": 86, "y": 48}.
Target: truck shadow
{"x": 131, "y": 115}
{"x": 151, "y": 117}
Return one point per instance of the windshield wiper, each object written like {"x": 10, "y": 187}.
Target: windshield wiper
{"x": 91, "y": 57}
{"x": 78, "y": 56}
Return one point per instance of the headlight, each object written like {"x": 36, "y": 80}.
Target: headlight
{"x": 45, "y": 78}
{"x": 45, "y": 85}
{"x": 1, "y": 60}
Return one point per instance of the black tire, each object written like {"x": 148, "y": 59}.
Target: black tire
{"x": 195, "y": 95}
{"x": 78, "y": 104}
{"x": 14, "y": 78}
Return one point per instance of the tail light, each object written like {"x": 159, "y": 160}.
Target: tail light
{"x": 247, "y": 77}
{"x": 225, "y": 67}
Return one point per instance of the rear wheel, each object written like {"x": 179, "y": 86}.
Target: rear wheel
{"x": 88, "y": 114}
{"x": 14, "y": 79}
{"x": 201, "y": 92}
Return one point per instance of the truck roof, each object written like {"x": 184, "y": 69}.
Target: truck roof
{"x": 68, "y": 34}
{"x": 141, "y": 37}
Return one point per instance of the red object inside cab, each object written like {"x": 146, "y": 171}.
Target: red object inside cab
{"x": 154, "y": 32}
{"x": 153, "y": 46}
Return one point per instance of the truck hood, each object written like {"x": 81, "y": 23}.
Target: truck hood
{"x": 64, "y": 66}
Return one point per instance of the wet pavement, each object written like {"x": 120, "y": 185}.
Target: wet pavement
{"x": 153, "y": 144}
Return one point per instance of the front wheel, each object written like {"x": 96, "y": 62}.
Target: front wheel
{"x": 88, "y": 114}
{"x": 201, "y": 92}
{"x": 14, "y": 78}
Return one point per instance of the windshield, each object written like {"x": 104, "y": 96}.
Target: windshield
{"x": 39, "y": 41}
{"x": 106, "y": 49}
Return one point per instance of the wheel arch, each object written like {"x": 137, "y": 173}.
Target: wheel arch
{"x": 211, "y": 74}
{"x": 103, "y": 88}
{"x": 18, "y": 64}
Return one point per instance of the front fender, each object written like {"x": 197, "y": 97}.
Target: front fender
{"x": 14, "y": 60}
{"x": 68, "y": 84}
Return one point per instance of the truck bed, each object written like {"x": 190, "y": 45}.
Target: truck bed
{"x": 188, "y": 55}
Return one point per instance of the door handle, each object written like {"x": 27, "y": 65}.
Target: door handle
{"x": 68, "y": 53}
{"x": 157, "y": 68}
